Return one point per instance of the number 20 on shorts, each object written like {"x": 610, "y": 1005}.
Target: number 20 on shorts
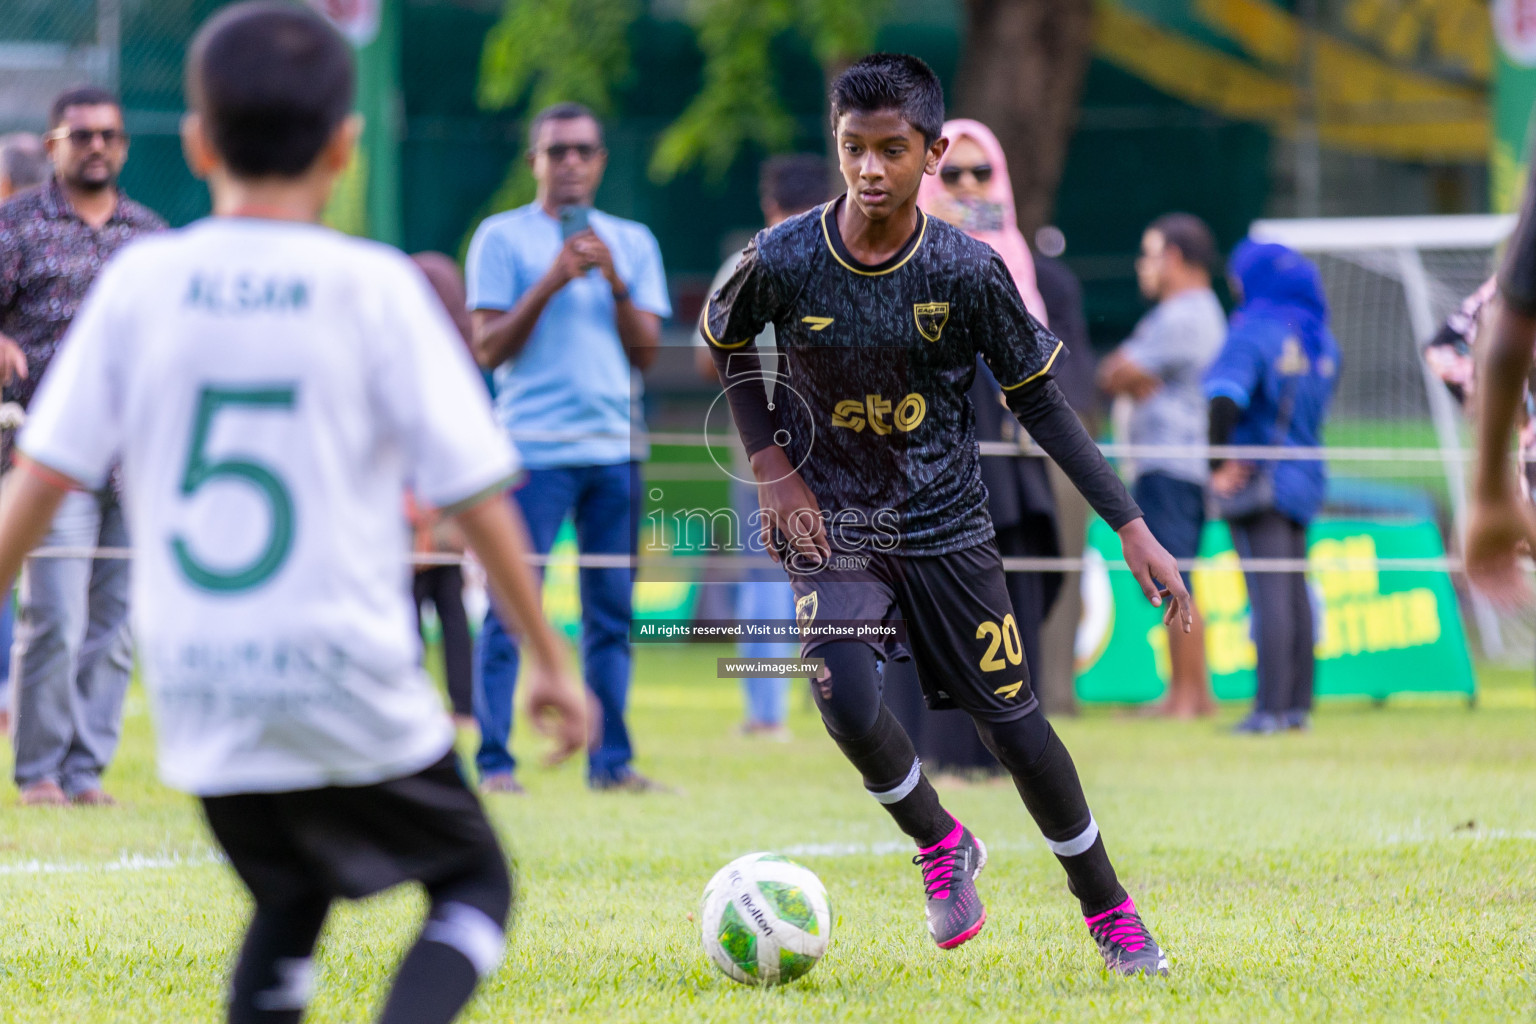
{"x": 1006, "y": 637}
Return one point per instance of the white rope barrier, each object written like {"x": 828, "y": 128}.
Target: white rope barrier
{"x": 678, "y": 562}
{"x": 1027, "y": 449}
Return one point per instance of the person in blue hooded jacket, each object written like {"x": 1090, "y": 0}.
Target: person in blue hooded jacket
{"x": 1271, "y": 386}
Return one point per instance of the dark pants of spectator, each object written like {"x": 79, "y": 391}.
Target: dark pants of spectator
{"x": 605, "y": 503}
{"x": 947, "y": 741}
{"x": 72, "y": 656}
{"x": 1174, "y": 511}
{"x": 1282, "y": 612}
{"x": 443, "y": 585}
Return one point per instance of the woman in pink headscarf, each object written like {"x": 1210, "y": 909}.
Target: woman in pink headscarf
{"x": 972, "y": 192}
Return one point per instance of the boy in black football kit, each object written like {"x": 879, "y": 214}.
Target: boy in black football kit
{"x": 869, "y": 479}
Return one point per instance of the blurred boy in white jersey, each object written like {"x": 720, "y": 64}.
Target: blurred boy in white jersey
{"x": 271, "y": 388}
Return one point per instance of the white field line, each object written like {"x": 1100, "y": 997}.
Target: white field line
{"x": 125, "y": 862}
{"x": 886, "y": 848}
{"x": 133, "y": 862}
{"x": 1414, "y": 836}
{"x": 1417, "y": 837}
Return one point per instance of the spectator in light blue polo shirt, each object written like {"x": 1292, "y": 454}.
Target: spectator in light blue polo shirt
{"x": 567, "y": 304}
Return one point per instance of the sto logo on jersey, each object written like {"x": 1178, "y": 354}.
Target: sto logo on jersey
{"x": 931, "y": 318}
{"x": 877, "y": 414}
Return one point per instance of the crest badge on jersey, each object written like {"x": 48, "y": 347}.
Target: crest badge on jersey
{"x": 805, "y": 610}
{"x": 931, "y": 318}
{"x": 1293, "y": 361}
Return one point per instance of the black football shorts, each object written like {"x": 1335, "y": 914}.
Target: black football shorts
{"x": 353, "y": 841}
{"x": 960, "y": 631}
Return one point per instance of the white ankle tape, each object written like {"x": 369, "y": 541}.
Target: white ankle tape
{"x": 295, "y": 985}
{"x": 471, "y": 932}
{"x": 1078, "y": 843}
{"x": 908, "y": 784}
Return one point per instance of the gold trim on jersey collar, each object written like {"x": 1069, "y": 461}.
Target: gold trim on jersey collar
{"x": 826, "y": 234}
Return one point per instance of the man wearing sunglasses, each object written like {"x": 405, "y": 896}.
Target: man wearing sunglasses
{"x": 72, "y": 646}
{"x": 566, "y": 304}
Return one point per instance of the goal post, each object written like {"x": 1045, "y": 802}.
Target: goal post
{"x": 1390, "y": 283}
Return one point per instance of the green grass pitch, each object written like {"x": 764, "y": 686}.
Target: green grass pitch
{"x": 1380, "y": 868}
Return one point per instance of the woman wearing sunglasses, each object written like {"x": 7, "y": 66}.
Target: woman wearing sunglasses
{"x": 972, "y": 192}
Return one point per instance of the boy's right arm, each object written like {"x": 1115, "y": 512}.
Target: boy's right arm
{"x": 551, "y": 694}
{"x": 732, "y": 319}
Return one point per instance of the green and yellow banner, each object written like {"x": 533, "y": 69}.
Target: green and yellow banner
{"x": 1381, "y": 632}
{"x": 1514, "y": 93}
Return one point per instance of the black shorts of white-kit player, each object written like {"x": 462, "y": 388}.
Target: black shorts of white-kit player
{"x": 299, "y": 851}
{"x": 959, "y": 624}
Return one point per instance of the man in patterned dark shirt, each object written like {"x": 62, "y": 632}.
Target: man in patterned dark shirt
{"x": 72, "y": 642}
{"x": 871, "y": 492}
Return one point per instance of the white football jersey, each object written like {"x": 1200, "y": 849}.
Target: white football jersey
{"x": 272, "y": 389}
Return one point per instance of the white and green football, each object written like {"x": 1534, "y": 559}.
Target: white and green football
{"x": 766, "y": 919}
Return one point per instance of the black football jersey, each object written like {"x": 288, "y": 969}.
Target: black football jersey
{"x": 870, "y": 399}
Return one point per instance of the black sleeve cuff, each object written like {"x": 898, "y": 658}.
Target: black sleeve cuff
{"x": 741, "y": 374}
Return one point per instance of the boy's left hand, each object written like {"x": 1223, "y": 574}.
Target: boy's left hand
{"x": 1151, "y": 564}
{"x": 1498, "y": 530}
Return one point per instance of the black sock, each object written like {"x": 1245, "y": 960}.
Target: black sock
{"x": 848, "y": 695}
{"x": 433, "y": 983}
{"x": 1047, "y": 780}
{"x": 271, "y": 983}
{"x": 461, "y": 941}
{"x": 894, "y": 776}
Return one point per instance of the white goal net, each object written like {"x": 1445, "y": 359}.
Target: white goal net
{"x": 1391, "y": 282}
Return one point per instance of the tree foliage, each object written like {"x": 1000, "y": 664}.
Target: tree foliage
{"x": 554, "y": 51}
{"x": 1022, "y": 73}
{"x": 739, "y": 101}
{"x": 1022, "y": 76}
{"x": 549, "y": 51}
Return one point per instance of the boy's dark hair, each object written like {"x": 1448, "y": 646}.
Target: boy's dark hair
{"x": 272, "y": 82}
{"x": 80, "y": 96}
{"x": 892, "y": 81}
{"x": 561, "y": 112}
{"x": 1190, "y": 235}
{"x": 795, "y": 182}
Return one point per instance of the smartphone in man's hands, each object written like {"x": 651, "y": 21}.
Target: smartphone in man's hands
{"x": 573, "y": 221}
